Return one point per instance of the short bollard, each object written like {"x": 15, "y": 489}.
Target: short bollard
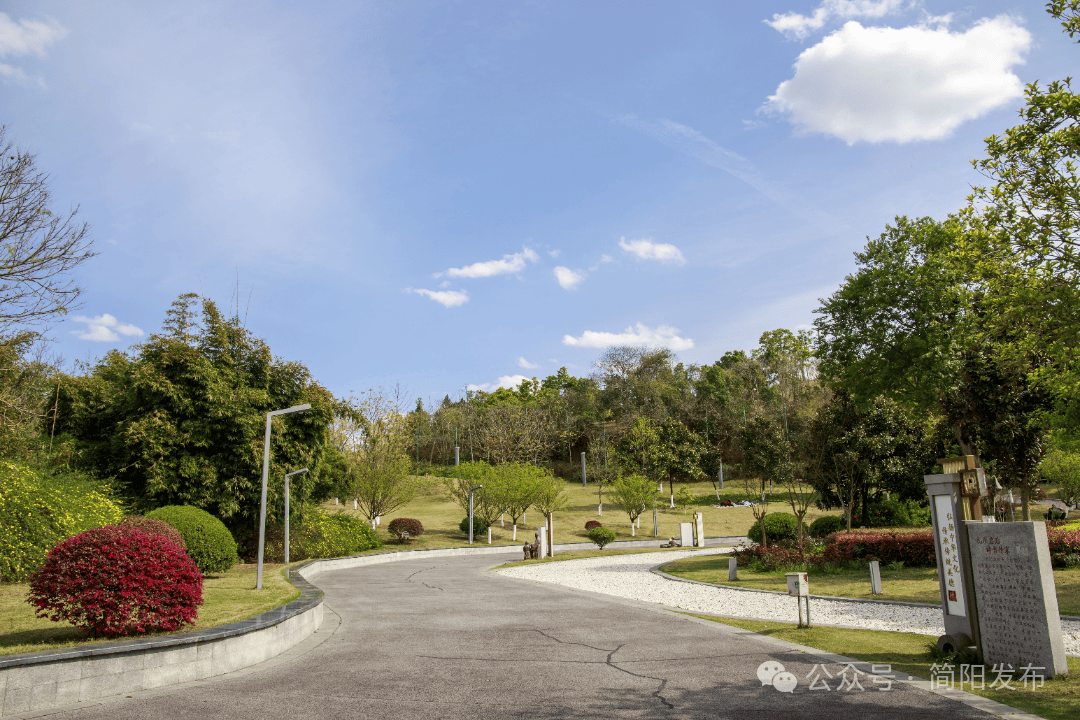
{"x": 732, "y": 569}
{"x": 875, "y": 577}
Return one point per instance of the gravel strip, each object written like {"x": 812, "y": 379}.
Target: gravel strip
{"x": 629, "y": 576}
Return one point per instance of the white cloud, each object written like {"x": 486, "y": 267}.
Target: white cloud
{"x": 569, "y": 279}
{"x": 646, "y": 249}
{"x": 522, "y": 362}
{"x": 507, "y": 381}
{"x": 662, "y": 336}
{"x": 605, "y": 258}
{"x": 9, "y": 72}
{"x": 507, "y": 265}
{"x": 877, "y": 84}
{"x": 104, "y": 328}
{"x": 797, "y": 27}
{"x": 28, "y": 36}
{"x": 555, "y": 253}
{"x": 446, "y": 298}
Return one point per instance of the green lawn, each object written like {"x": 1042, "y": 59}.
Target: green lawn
{"x": 226, "y": 598}
{"x": 906, "y": 584}
{"x": 440, "y": 516}
{"x": 912, "y": 655}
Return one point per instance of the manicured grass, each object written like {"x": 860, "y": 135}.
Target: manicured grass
{"x": 440, "y": 517}
{"x": 227, "y": 598}
{"x": 906, "y": 584}
{"x": 579, "y": 554}
{"x": 911, "y": 655}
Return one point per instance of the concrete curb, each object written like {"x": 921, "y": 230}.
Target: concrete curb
{"x": 62, "y": 677}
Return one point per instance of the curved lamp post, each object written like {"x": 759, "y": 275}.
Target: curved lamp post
{"x": 471, "y": 510}
{"x": 287, "y": 476}
{"x": 265, "y": 475}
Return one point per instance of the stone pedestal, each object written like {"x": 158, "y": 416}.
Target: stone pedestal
{"x": 686, "y": 534}
{"x": 1019, "y": 622}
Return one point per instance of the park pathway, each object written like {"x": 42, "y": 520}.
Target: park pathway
{"x": 448, "y": 638}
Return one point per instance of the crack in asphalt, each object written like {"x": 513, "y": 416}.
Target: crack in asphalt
{"x": 610, "y": 663}
{"x": 409, "y": 579}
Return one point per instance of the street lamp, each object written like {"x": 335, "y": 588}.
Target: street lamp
{"x": 287, "y": 476}
{"x": 265, "y": 476}
{"x": 471, "y": 491}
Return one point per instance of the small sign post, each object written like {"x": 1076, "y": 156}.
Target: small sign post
{"x": 799, "y": 586}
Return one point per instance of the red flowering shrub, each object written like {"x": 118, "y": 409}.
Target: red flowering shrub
{"x": 914, "y": 548}
{"x": 117, "y": 581}
{"x": 154, "y": 527}
{"x": 399, "y": 526}
{"x": 593, "y": 524}
{"x": 1064, "y": 546}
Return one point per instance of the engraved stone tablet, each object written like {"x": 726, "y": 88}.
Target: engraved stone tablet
{"x": 1015, "y": 596}
{"x": 686, "y": 534}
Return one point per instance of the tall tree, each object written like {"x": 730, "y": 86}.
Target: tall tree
{"x": 181, "y": 421}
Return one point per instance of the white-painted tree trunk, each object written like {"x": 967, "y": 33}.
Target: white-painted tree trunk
{"x": 489, "y": 536}
{"x": 600, "y": 510}
{"x": 515, "y": 533}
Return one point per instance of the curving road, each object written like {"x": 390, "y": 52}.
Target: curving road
{"x": 448, "y": 638}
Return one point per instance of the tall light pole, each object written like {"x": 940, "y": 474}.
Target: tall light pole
{"x": 265, "y": 477}
{"x": 471, "y": 510}
{"x": 287, "y": 476}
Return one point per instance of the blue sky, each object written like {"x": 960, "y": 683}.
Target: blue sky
{"x": 436, "y": 194}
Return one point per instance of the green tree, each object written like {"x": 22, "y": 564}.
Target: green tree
{"x": 180, "y": 421}
{"x": 633, "y": 493}
{"x": 379, "y": 472}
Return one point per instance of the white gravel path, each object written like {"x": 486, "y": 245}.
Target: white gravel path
{"x": 629, "y": 576}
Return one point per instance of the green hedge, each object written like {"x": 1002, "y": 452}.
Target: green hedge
{"x": 38, "y": 510}
{"x": 778, "y": 526}
{"x": 209, "y": 543}
{"x": 827, "y": 525}
{"x": 327, "y": 535}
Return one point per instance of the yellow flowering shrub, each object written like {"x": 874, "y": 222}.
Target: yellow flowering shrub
{"x": 37, "y": 511}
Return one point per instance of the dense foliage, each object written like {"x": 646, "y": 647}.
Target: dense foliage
{"x": 117, "y": 581}
{"x": 779, "y": 527}
{"x": 180, "y": 420}
{"x": 327, "y": 535}
{"x": 208, "y": 541}
{"x": 827, "y": 525}
{"x": 154, "y": 526}
{"x": 480, "y": 525}
{"x": 39, "y": 509}
{"x": 601, "y": 536}
{"x": 399, "y": 526}
{"x": 593, "y": 524}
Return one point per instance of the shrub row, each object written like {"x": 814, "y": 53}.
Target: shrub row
{"x": 914, "y": 548}
{"x": 326, "y": 535}
{"x": 38, "y": 510}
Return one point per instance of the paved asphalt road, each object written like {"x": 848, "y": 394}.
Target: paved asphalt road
{"x": 448, "y": 638}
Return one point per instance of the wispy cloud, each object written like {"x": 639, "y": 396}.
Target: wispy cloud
{"x": 795, "y": 26}
{"x": 646, "y": 249}
{"x": 569, "y": 279}
{"x": 662, "y": 336}
{"x": 104, "y": 328}
{"x": 507, "y": 381}
{"x": 605, "y": 258}
{"x": 446, "y": 298}
{"x": 522, "y": 362}
{"x": 26, "y": 37}
{"x": 509, "y": 264}
{"x": 692, "y": 143}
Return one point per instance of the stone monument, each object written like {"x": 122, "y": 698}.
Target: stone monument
{"x": 686, "y": 534}
{"x": 1019, "y": 624}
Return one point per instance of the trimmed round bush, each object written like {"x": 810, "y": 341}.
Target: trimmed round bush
{"x": 601, "y": 536}
{"x": 38, "y": 510}
{"x": 114, "y": 581}
{"x": 480, "y": 525}
{"x": 327, "y": 535}
{"x": 827, "y": 525}
{"x": 154, "y": 527}
{"x": 593, "y": 524}
{"x": 399, "y": 526}
{"x": 209, "y": 543}
{"x": 779, "y": 526}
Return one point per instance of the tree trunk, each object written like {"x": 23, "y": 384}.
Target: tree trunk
{"x": 1025, "y": 495}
